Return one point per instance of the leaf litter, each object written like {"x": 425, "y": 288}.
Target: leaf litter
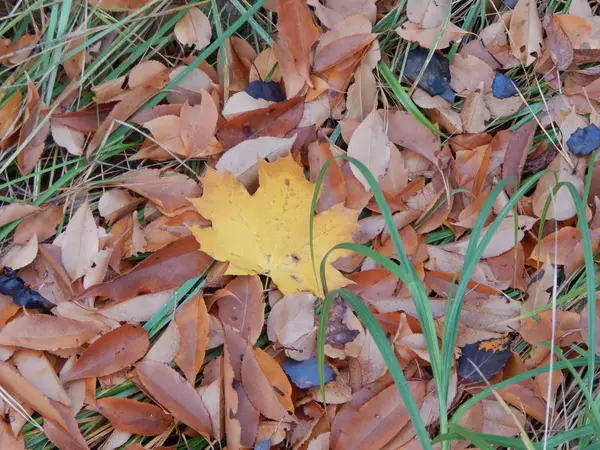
{"x": 190, "y": 276}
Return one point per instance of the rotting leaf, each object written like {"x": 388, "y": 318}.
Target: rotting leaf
{"x": 276, "y": 240}
{"x": 483, "y": 359}
{"x": 113, "y": 351}
{"x": 169, "y": 389}
{"x": 134, "y": 417}
{"x": 526, "y": 32}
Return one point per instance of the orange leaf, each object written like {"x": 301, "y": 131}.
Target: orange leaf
{"x": 34, "y": 115}
{"x": 134, "y": 417}
{"x": 80, "y": 242}
{"x": 298, "y": 31}
{"x": 43, "y": 332}
{"x": 198, "y": 125}
{"x": 192, "y": 322}
{"x": 267, "y": 386}
{"x": 112, "y": 352}
{"x": 171, "y": 390}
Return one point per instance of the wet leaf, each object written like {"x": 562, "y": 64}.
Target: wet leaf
{"x": 134, "y": 417}
{"x": 249, "y": 245}
{"x": 172, "y": 391}
{"x": 80, "y": 242}
{"x": 194, "y": 29}
{"x": 112, "y": 352}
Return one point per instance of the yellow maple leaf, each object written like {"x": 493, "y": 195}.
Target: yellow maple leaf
{"x": 268, "y": 232}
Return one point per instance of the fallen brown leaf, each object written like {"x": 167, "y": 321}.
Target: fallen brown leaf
{"x": 35, "y": 116}
{"x": 80, "y": 242}
{"x": 134, "y": 417}
{"x": 192, "y": 323}
{"x": 112, "y": 352}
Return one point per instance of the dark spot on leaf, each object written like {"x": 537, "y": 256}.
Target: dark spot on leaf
{"x": 278, "y": 391}
{"x": 484, "y": 359}
{"x": 295, "y": 257}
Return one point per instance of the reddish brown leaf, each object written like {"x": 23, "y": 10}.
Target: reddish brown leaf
{"x": 114, "y": 351}
{"x": 168, "y": 190}
{"x": 336, "y": 52}
{"x": 118, "y": 4}
{"x": 35, "y": 113}
{"x": 61, "y": 437}
{"x": 516, "y": 154}
{"x": 267, "y": 386}
{"x": 7, "y": 440}
{"x": 333, "y": 190}
{"x": 298, "y": 31}
{"x": 276, "y": 121}
{"x": 43, "y": 224}
{"x": 128, "y": 105}
{"x": 44, "y": 332}
{"x": 134, "y": 417}
{"x": 171, "y": 390}
{"x": 35, "y": 368}
{"x": 404, "y": 130}
{"x": 379, "y": 419}
{"x": 9, "y": 114}
{"x": 242, "y": 306}
{"x": 192, "y": 323}
{"x": 86, "y": 120}
{"x": 557, "y": 246}
{"x": 167, "y": 268}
